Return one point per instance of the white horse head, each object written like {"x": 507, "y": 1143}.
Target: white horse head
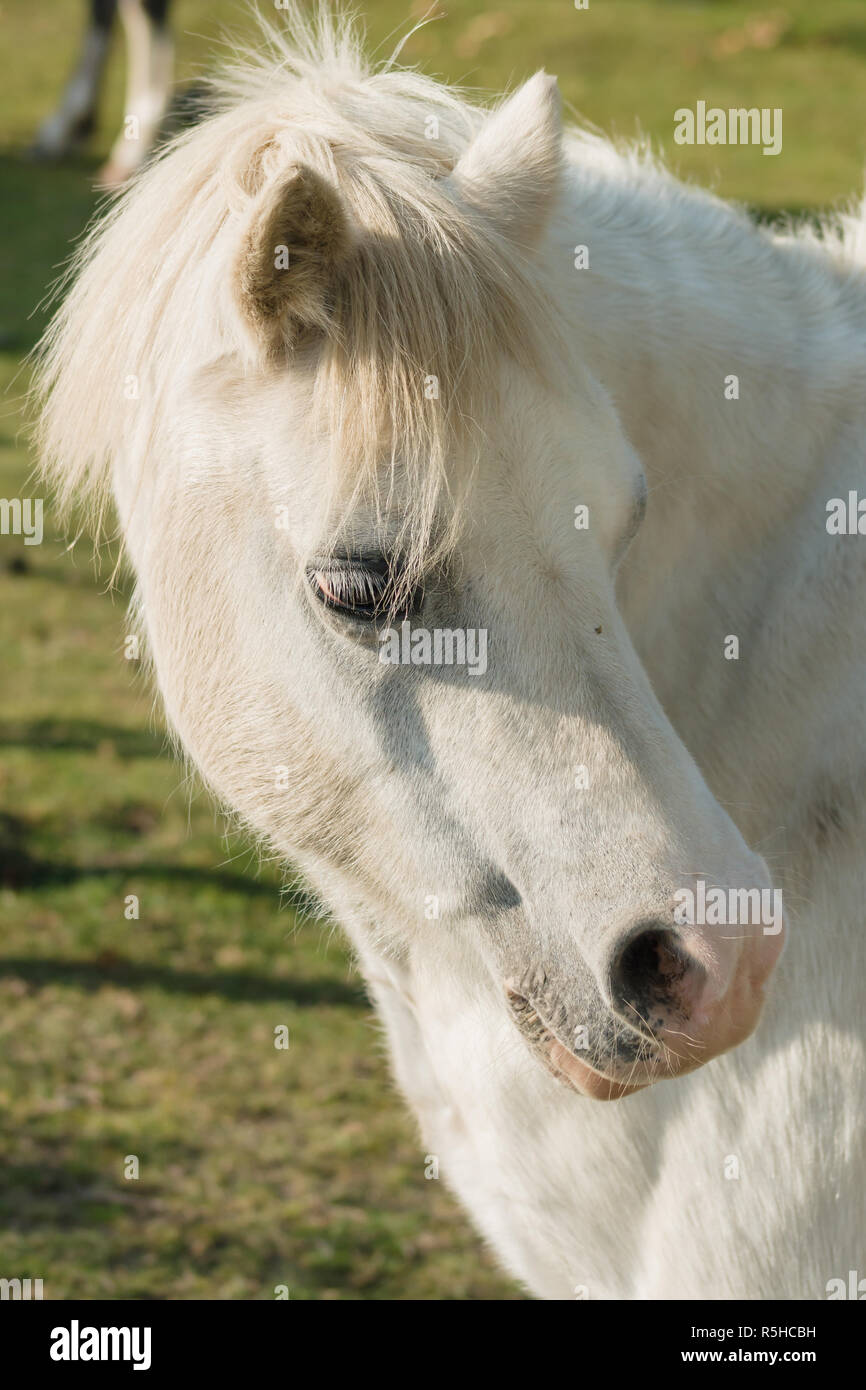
{"x": 316, "y": 353}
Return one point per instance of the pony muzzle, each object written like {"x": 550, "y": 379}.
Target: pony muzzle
{"x": 675, "y": 998}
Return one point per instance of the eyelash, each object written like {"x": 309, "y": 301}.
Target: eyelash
{"x": 350, "y": 589}
{"x": 363, "y": 589}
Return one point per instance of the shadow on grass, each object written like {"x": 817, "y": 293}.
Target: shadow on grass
{"x": 53, "y": 566}
{"x": 52, "y": 206}
{"x": 53, "y": 1194}
{"x": 21, "y": 870}
{"x": 60, "y": 1194}
{"x": 82, "y": 736}
{"x": 240, "y": 986}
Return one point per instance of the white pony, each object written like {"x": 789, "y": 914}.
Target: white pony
{"x": 359, "y": 400}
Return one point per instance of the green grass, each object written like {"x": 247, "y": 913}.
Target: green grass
{"x": 155, "y": 1037}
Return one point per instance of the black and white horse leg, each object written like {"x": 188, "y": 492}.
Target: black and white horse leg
{"x": 149, "y": 68}
{"x": 75, "y": 115}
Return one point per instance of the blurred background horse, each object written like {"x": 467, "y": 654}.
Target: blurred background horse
{"x": 149, "y": 74}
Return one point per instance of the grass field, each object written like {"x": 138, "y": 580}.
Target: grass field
{"x": 155, "y": 1037}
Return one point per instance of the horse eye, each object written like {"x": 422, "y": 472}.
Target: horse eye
{"x": 360, "y": 588}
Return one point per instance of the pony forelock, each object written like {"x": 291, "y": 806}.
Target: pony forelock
{"x": 421, "y": 315}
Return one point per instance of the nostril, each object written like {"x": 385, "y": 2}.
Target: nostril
{"x": 653, "y": 976}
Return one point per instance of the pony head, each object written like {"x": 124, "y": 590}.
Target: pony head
{"x": 375, "y": 501}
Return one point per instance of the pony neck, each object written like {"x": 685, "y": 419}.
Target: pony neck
{"x": 681, "y": 293}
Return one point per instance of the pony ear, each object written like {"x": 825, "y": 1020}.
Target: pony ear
{"x": 296, "y": 235}
{"x": 511, "y": 171}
